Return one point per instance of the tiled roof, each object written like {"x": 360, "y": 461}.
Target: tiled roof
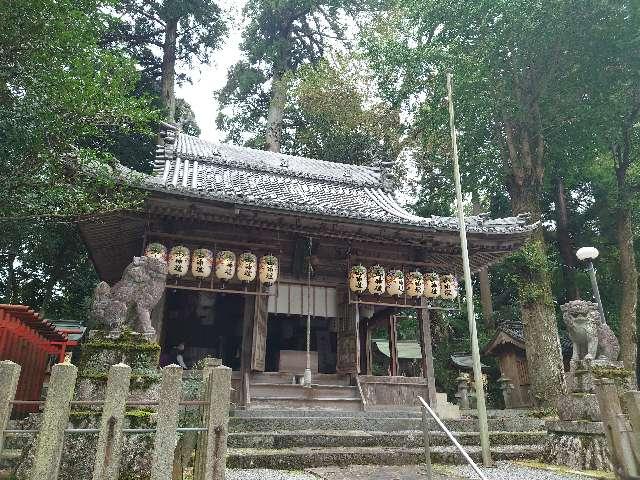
{"x": 515, "y": 330}
{"x": 191, "y": 166}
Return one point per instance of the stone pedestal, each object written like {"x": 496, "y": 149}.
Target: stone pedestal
{"x": 577, "y": 440}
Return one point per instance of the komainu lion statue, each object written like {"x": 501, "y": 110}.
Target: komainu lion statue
{"x": 591, "y": 336}
{"x": 130, "y": 301}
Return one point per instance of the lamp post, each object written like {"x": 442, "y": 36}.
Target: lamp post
{"x": 589, "y": 254}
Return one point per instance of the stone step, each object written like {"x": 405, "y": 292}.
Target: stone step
{"x": 298, "y": 458}
{"x": 408, "y": 439}
{"x": 370, "y": 423}
{"x": 286, "y": 413}
{"x": 9, "y": 458}
{"x": 397, "y": 412}
{"x": 288, "y": 378}
{"x": 314, "y": 404}
{"x": 275, "y": 390}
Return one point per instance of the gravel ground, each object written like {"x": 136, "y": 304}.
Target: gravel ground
{"x": 262, "y": 474}
{"x": 504, "y": 471}
{"x": 511, "y": 471}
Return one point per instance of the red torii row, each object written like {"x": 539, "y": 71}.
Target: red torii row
{"x": 29, "y": 340}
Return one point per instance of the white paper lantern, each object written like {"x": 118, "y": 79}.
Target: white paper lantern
{"x": 415, "y": 284}
{"x": 448, "y": 287}
{"x": 268, "y": 270}
{"x": 247, "y": 267}
{"x": 395, "y": 283}
{"x": 156, "y": 250}
{"x": 225, "y": 265}
{"x": 358, "y": 279}
{"x": 179, "y": 261}
{"x": 432, "y": 285}
{"x": 376, "y": 281}
{"x": 201, "y": 263}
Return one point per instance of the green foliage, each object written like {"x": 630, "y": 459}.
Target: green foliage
{"x": 60, "y": 96}
{"x": 45, "y": 265}
{"x": 333, "y": 116}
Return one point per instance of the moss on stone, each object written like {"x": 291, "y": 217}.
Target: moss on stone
{"x": 565, "y": 470}
{"x": 138, "y": 381}
{"x": 615, "y": 373}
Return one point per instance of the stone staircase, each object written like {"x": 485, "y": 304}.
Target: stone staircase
{"x": 293, "y": 439}
{"x": 284, "y": 391}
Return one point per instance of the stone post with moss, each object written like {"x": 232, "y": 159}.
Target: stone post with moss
{"x": 577, "y": 439}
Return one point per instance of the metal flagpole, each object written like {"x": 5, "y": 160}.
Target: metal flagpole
{"x": 307, "y": 371}
{"x": 475, "y": 351}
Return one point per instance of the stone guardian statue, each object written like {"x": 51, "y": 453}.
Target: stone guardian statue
{"x": 130, "y": 301}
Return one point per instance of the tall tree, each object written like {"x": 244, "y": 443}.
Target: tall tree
{"x": 61, "y": 97}
{"x": 507, "y": 58}
{"x": 280, "y": 37}
{"x": 181, "y": 30}
{"x": 611, "y": 73}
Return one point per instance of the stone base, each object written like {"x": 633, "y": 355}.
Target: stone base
{"x": 578, "y": 406}
{"x": 579, "y": 445}
{"x": 79, "y": 451}
{"x": 98, "y": 354}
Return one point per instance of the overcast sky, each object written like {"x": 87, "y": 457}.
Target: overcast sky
{"x": 205, "y": 79}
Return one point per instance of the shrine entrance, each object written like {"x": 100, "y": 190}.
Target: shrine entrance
{"x": 208, "y": 323}
{"x": 286, "y": 344}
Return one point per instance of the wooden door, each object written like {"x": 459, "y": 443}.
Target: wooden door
{"x": 348, "y": 357}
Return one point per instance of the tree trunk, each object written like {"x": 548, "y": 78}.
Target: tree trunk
{"x": 629, "y": 302}
{"x": 483, "y": 278}
{"x": 167, "y": 85}
{"x": 628, "y": 276}
{"x": 526, "y": 168}
{"x": 624, "y": 232}
{"x": 564, "y": 243}
{"x": 11, "y": 279}
{"x": 275, "y": 116}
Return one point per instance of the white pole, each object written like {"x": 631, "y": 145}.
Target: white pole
{"x": 475, "y": 351}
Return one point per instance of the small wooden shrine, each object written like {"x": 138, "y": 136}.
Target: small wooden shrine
{"x": 509, "y": 349}
{"x": 258, "y": 241}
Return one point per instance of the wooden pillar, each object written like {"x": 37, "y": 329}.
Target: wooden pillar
{"x": 424, "y": 328}
{"x": 245, "y": 354}
{"x": 369, "y": 350}
{"x": 393, "y": 346}
{"x": 348, "y": 354}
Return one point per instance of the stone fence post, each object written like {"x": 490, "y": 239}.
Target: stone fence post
{"x": 616, "y": 429}
{"x": 166, "y": 428}
{"x": 212, "y": 445}
{"x": 9, "y": 376}
{"x": 109, "y": 450}
{"x": 54, "y": 422}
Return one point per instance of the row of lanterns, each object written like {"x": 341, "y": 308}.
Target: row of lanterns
{"x": 396, "y": 283}
{"x": 225, "y": 265}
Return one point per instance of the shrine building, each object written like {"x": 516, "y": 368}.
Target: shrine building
{"x": 258, "y": 243}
